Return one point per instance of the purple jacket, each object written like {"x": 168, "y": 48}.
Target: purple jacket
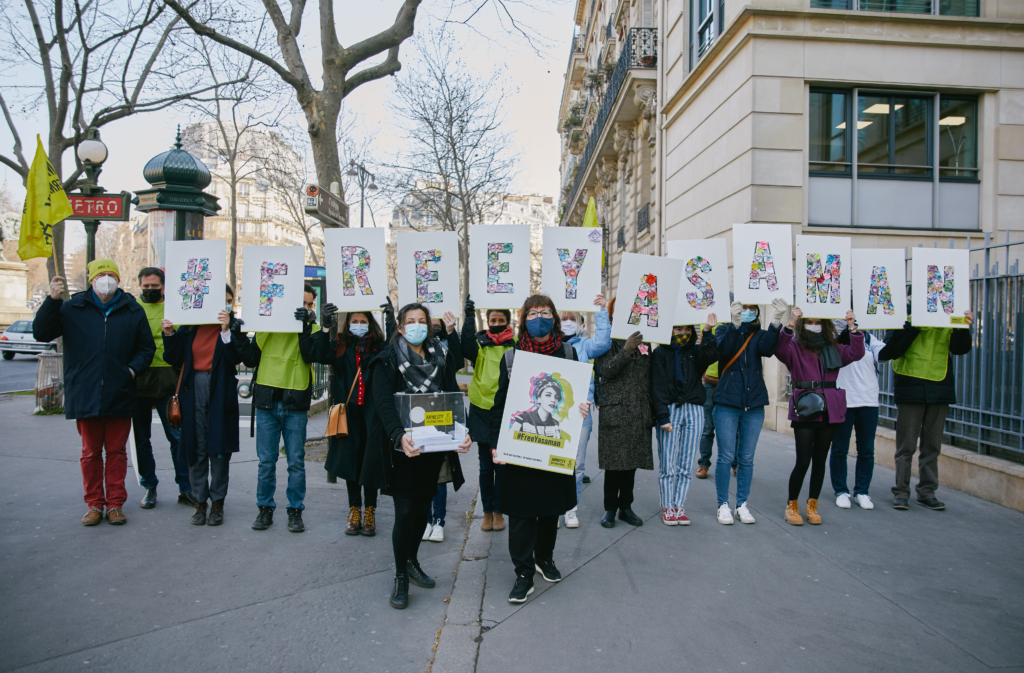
{"x": 804, "y": 365}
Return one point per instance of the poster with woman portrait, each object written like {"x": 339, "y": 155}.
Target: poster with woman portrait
{"x": 542, "y": 422}
{"x": 196, "y": 273}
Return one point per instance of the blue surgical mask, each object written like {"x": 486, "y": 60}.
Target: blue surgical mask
{"x": 416, "y": 333}
{"x": 358, "y": 329}
{"x": 748, "y": 316}
{"x": 540, "y": 327}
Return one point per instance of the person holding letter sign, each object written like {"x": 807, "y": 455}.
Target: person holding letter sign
{"x": 809, "y": 349}
{"x": 533, "y": 498}
{"x": 414, "y": 362}
{"x": 922, "y": 358}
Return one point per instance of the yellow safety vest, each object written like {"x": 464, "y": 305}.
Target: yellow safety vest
{"x": 155, "y": 316}
{"x": 281, "y": 363}
{"x": 928, "y": 355}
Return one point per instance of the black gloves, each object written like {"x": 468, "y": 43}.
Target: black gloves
{"x": 305, "y": 316}
{"x": 389, "y": 309}
{"x": 469, "y": 307}
{"x": 327, "y": 316}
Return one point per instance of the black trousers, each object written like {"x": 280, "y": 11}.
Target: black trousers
{"x": 813, "y": 441}
{"x": 618, "y": 489}
{"x": 529, "y": 539}
{"x": 410, "y": 520}
{"x": 369, "y": 495}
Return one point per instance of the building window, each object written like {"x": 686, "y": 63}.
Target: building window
{"x": 940, "y": 7}
{"x": 893, "y": 135}
{"x": 958, "y": 138}
{"x": 702, "y": 27}
{"x": 243, "y": 189}
{"x": 830, "y": 136}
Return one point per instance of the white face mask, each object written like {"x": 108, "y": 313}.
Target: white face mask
{"x": 358, "y": 329}
{"x": 569, "y": 327}
{"x": 105, "y": 285}
{"x": 813, "y": 328}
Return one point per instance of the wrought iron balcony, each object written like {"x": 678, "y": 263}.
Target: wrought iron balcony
{"x": 622, "y": 237}
{"x": 643, "y": 219}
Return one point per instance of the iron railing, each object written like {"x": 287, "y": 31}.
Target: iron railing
{"x": 638, "y": 51}
{"x": 319, "y": 378}
{"x": 643, "y": 219}
{"x": 940, "y": 7}
{"x": 622, "y": 237}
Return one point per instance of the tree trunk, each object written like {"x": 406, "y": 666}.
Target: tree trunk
{"x": 322, "y": 117}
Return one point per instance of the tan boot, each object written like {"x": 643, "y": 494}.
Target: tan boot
{"x": 702, "y": 472}
{"x": 499, "y": 523}
{"x": 812, "y": 512}
{"x": 488, "y": 522}
{"x": 793, "y": 514}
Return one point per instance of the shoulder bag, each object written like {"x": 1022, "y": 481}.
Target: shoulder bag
{"x": 337, "y": 420}
{"x": 174, "y": 406}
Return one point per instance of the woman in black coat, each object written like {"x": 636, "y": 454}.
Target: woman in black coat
{"x": 414, "y": 362}
{"x": 533, "y": 499}
{"x": 209, "y": 356}
{"x": 359, "y": 340}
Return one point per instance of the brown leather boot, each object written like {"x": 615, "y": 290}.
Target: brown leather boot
{"x": 488, "y": 523}
{"x": 793, "y": 514}
{"x": 812, "y": 512}
{"x": 216, "y": 517}
{"x": 369, "y": 522}
{"x": 354, "y": 521}
{"x": 92, "y": 517}
{"x": 498, "y": 523}
{"x": 116, "y": 517}
{"x": 702, "y": 472}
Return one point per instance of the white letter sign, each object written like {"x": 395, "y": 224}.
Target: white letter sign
{"x": 940, "y": 286}
{"x": 825, "y": 274}
{"x": 196, "y": 273}
{"x": 704, "y": 288}
{"x": 571, "y": 267}
{"x": 273, "y": 277}
{"x": 762, "y": 257}
{"x": 429, "y": 271}
{"x": 879, "y": 288}
{"x": 499, "y": 258}
{"x": 646, "y": 297}
{"x": 357, "y": 276}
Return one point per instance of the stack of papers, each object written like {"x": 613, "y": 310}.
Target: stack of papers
{"x": 429, "y": 439}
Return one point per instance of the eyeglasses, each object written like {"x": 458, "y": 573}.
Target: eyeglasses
{"x": 546, "y": 313}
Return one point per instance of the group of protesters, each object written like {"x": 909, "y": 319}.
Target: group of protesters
{"x": 122, "y": 358}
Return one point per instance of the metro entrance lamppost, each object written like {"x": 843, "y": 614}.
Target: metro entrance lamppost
{"x": 366, "y": 183}
{"x": 92, "y": 153}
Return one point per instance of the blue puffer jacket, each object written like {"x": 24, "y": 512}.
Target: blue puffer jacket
{"x": 99, "y": 350}
{"x": 742, "y": 384}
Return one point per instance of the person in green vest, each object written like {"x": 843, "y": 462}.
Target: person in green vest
{"x": 922, "y": 358}
{"x": 486, "y": 348}
{"x": 155, "y": 387}
{"x": 281, "y": 398}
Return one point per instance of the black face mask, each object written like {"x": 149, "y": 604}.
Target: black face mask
{"x": 496, "y": 329}
{"x": 152, "y": 295}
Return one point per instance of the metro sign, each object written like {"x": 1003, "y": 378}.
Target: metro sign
{"x": 325, "y": 206}
{"x": 100, "y": 207}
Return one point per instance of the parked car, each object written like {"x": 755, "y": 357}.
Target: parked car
{"x": 18, "y": 339}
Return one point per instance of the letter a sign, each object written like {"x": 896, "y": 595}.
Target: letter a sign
{"x": 646, "y": 297}
{"x": 762, "y": 263}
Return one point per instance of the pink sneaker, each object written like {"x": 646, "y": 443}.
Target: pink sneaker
{"x": 668, "y": 517}
{"x": 682, "y": 519}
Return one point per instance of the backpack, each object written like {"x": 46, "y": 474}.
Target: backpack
{"x": 510, "y": 354}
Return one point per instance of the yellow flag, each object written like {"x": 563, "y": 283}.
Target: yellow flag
{"x": 46, "y": 204}
{"x": 590, "y": 220}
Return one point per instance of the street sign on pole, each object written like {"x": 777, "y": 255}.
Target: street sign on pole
{"x": 325, "y": 206}
{"x": 106, "y": 207}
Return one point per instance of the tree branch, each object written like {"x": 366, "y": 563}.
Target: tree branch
{"x": 21, "y": 169}
{"x": 400, "y": 30}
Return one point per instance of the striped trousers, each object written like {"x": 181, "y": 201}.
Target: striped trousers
{"x": 676, "y": 451}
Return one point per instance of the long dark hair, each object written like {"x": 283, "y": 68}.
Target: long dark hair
{"x": 346, "y": 338}
{"x": 828, "y": 331}
{"x": 404, "y": 311}
{"x": 539, "y": 301}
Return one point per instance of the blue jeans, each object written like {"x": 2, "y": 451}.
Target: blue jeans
{"x": 738, "y": 431}
{"x": 270, "y": 426}
{"x": 439, "y": 505}
{"x": 707, "y": 438}
{"x": 490, "y": 480}
{"x": 142, "y": 425}
{"x": 581, "y": 452}
{"x": 865, "y": 420}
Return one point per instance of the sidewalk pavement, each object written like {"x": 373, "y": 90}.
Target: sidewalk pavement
{"x": 873, "y": 590}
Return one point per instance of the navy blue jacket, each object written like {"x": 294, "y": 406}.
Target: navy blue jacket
{"x": 742, "y": 384}
{"x": 222, "y": 423}
{"x": 98, "y": 352}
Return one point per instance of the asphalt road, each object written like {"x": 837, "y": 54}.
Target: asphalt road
{"x": 18, "y": 374}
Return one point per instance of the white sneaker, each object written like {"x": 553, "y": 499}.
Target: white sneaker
{"x": 426, "y": 533}
{"x": 571, "y": 520}
{"x": 843, "y": 501}
{"x": 437, "y": 535}
{"x": 864, "y": 501}
{"x": 725, "y": 515}
{"x": 744, "y": 514}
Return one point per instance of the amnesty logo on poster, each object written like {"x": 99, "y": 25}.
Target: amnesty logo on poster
{"x": 562, "y": 462}
{"x": 539, "y": 439}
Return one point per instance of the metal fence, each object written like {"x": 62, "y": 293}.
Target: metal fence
{"x": 320, "y": 379}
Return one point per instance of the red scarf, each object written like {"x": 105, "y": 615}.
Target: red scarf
{"x": 501, "y": 337}
{"x": 528, "y": 344}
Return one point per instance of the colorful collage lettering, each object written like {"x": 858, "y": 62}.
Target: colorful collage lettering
{"x": 940, "y": 289}
{"x": 705, "y": 295}
{"x": 823, "y": 282}
{"x": 495, "y": 268}
{"x": 425, "y": 275}
{"x": 880, "y": 295}
{"x": 646, "y": 302}
{"x": 355, "y": 263}
{"x": 196, "y": 285}
{"x": 763, "y": 266}
{"x": 571, "y": 268}
{"x": 268, "y": 288}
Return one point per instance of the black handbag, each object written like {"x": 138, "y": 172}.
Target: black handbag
{"x": 810, "y": 404}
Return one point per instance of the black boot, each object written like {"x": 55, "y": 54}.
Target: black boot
{"x": 609, "y": 520}
{"x": 295, "y": 521}
{"x": 199, "y": 515}
{"x": 264, "y": 519}
{"x": 400, "y": 594}
{"x": 216, "y": 517}
{"x": 417, "y": 576}
{"x": 187, "y": 499}
{"x": 149, "y": 499}
{"x": 627, "y": 515}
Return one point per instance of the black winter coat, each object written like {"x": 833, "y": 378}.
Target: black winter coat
{"x": 384, "y": 466}
{"x": 222, "y": 428}
{"x": 294, "y": 400}
{"x": 912, "y": 390}
{"x": 525, "y": 491}
{"x": 99, "y": 350}
{"x": 742, "y": 385}
{"x": 696, "y": 360}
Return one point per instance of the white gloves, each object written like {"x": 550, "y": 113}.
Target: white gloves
{"x": 780, "y": 306}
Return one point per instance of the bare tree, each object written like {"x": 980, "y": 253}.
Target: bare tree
{"x": 286, "y": 176}
{"x": 95, "y": 62}
{"x": 457, "y": 162}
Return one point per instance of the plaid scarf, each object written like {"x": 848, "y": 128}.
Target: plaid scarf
{"x": 501, "y": 337}
{"x": 421, "y": 374}
{"x": 530, "y": 345}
